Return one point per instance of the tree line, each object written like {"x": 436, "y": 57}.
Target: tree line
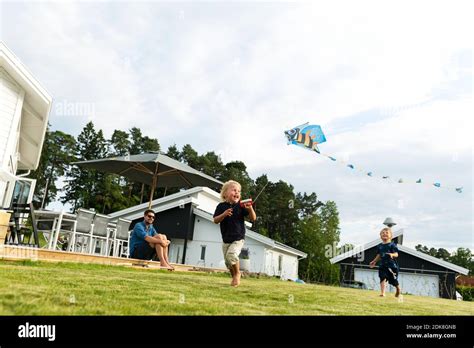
{"x": 296, "y": 219}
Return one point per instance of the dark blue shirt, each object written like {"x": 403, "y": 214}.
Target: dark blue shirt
{"x": 140, "y": 231}
{"x": 232, "y": 227}
{"x": 383, "y": 250}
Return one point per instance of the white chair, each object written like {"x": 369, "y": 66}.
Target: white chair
{"x": 121, "y": 239}
{"x": 46, "y": 229}
{"x": 100, "y": 233}
{"x": 83, "y": 228}
{"x": 61, "y": 233}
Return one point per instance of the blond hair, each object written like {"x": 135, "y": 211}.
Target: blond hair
{"x": 387, "y": 229}
{"x": 226, "y": 186}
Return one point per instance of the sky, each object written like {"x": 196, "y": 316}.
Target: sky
{"x": 389, "y": 83}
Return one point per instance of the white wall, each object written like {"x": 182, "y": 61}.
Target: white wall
{"x": 3, "y": 187}
{"x": 256, "y": 255}
{"x": 289, "y": 265}
{"x": 176, "y": 250}
{"x": 209, "y": 234}
{"x": 12, "y": 97}
{"x": 411, "y": 283}
{"x": 207, "y": 201}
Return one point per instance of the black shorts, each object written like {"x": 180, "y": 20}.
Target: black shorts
{"x": 144, "y": 252}
{"x": 389, "y": 273}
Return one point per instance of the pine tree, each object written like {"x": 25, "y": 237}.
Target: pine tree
{"x": 120, "y": 143}
{"x": 237, "y": 170}
{"x": 190, "y": 156}
{"x": 173, "y": 152}
{"x": 56, "y": 157}
{"x": 282, "y": 218}
{"x": 211, "y": 164}
{"x": 138, "y": 193}
{"x": 85, "y": 187}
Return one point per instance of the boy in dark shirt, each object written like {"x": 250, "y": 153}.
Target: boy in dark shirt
{"x": 230, "y": 215}
{"x": 388, "y": 269}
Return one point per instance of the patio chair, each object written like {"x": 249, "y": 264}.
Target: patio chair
{"x": 56, "y": 237}
{"x": 121, "y": 238}
{"x": 20, "y": 229}
{"x": 100, "y": 233}
{"x": 83, "y": 229}
{"x": 46, "y": 229}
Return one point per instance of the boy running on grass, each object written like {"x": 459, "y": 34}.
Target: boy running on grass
{"x": 230, "y": 215}
{"x": 388, "y": 269}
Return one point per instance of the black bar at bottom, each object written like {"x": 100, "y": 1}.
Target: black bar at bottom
{"x": 293, "y": 330}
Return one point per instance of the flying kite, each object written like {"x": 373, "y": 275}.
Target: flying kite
{"x": 306, "y": 136}
{"x": 310, "y": 136}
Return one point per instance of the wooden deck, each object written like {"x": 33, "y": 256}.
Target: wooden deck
{"x": 15, "y": 253}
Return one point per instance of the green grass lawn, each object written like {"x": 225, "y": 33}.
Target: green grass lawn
{"x": 41, "y": 288}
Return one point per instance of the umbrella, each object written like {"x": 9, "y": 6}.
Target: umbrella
{"x": 153, "y": 169}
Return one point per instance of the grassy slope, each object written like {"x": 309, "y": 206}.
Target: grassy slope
{"x": 36, "y": 288}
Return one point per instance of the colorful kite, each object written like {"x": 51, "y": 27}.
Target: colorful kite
{"x": 306, "y": 136}
{"x": 309, "y": 136}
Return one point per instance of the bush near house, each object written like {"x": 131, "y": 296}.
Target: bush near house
{"x": 467, "y": 292}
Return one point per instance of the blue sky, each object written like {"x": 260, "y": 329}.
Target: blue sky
{"x": 390, "y": 84}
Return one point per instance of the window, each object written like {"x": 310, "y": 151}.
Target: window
{"x": 21, "y": 192}
{"x": 203, "y": 252}
{"x": 280, "y": 262}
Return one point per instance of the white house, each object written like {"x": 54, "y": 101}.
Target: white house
{"x": 24, "y": 111}
{"x": 186, "y": 218}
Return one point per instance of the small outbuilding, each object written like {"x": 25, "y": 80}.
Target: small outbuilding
{"x": 420, "y": 274}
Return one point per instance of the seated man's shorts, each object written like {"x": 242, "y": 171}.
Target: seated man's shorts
{"x": 143, "y": 252}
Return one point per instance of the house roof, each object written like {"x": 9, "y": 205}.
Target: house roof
{"x": 157, "y": 203}
{"x": 36, "y": 107}
{"x": 257, "y": 236}
{"x": 363, "y": 247}
{"x": 434, "y": 260}
{"x": 404, "y": 249}
{"x": 166, "y": 205}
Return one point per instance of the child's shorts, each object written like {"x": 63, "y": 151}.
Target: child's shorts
{"x": 232, "y": 251}
{"x": 390, "y": 274}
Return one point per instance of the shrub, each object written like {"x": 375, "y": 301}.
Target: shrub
{"x": 467, "y": 292}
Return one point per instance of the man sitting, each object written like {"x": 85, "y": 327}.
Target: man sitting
{"x": 145, "y": 242}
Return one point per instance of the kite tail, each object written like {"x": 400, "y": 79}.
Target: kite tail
{"x": 386, "y": 177}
